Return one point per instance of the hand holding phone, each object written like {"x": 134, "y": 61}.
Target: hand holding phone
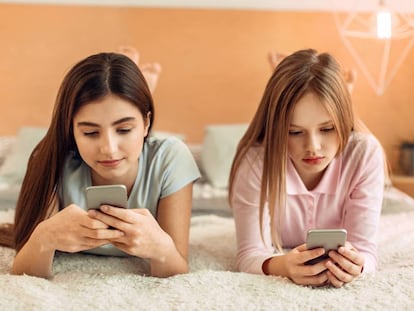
{"x": 329, "y": 239}
{"x": 114, "y": 195}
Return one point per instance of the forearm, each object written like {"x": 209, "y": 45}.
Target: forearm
{"x": 169, "y": 263}
{"x": 275, "y": 266}
{"x": 34, "y": 258}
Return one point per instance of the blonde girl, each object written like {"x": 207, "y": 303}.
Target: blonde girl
{"x": 303, "y": 164}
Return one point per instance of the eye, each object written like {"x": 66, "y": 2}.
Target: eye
{"x": 124, "y": 131}
{"x": 91, "y": 133}
{"x": 328, "y": 129}
{"x": 295, "y": 133}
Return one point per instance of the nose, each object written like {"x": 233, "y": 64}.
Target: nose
{"x": 108, "y": 144}
{"x": 313, "y": 142}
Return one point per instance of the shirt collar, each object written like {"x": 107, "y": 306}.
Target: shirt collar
{"x": 328, "y": 184}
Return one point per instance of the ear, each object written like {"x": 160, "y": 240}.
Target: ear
{"x": 147, "y": 123}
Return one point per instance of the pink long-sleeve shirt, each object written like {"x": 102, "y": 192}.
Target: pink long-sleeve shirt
{"x": 348, "y": 196}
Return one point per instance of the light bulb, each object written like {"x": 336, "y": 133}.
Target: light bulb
{"x": 384, "y": 24}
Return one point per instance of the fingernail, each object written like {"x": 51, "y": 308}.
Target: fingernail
{"x": 104, "y": 208}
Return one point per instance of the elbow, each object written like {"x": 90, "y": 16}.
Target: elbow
{"x": 47, "y": 276}
{"x": 370, "y": 264}
{"x": 165, "y": 273}
{"x": 248, "y": 265}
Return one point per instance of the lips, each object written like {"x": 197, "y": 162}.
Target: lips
{"x": 313, "y": 160}
{"x": 110, "y": 163}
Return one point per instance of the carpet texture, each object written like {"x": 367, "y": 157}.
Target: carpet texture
{"x": 86, "y": 282}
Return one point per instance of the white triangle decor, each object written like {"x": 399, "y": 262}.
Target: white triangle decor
{"x": 358, "y": 31}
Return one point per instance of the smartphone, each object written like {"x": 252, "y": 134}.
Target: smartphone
{"x": 329, "y": 239}
{"x": 115, "y": 195}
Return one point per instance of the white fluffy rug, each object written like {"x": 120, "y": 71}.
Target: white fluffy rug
{"x": 86, "y": 282}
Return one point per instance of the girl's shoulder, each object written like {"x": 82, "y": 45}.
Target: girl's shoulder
{"x": 362, "y": 145}
{"x": 164, "y": 150}
{"x": 252, "y": 162}
{"x": 154, "y": 144}
{"x": 163, "y": 155}
{"x": 363, "y": 140}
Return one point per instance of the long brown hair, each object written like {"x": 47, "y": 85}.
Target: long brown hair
{"x": 298, "y": 74}
{"x": 89, "y": 80}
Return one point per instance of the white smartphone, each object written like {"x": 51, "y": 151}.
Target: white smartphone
{"x": 329, "y": 239}
{"x": 115, "y": 195}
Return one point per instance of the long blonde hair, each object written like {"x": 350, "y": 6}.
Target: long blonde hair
{"x": 301, "y": 72}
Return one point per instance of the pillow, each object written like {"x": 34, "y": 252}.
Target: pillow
{"x": 396, "y": 201}
{"x": 14, "y": 167}
{"x": 6, "y": 144}
{"x": 219, "y": 148}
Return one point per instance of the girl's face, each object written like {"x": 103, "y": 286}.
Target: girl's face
{"x": 313, "y": 140}
{"x": 109, "y": 134}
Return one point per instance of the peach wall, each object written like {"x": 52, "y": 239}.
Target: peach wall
{"x": 214, "y": 63}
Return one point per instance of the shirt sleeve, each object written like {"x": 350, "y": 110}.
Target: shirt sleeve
{"x": 252, "y": 251}
{"x": 179, "y": 166}
{"x": 363, "y": 206}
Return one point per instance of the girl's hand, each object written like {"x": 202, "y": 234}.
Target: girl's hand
{"x": 300, "y": 272}
{"x": 72, "y": 230}
{"x": 344, "y": 265}
{"x": 143, "y": 235}
{"x": 293, "y": 265}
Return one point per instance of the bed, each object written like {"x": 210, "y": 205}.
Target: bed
{"x": 88, "y": 282}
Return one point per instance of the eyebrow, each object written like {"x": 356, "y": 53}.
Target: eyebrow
{"x": 87, "y": 123}
{"x": 320, "y": 124}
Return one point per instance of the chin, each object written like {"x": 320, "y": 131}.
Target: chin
{"x": 316, "y": 168}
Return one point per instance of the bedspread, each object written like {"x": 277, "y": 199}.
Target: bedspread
{"x": 87, "y": 282}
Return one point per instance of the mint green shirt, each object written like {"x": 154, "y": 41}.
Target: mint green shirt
{"x": 165, "y": 167}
